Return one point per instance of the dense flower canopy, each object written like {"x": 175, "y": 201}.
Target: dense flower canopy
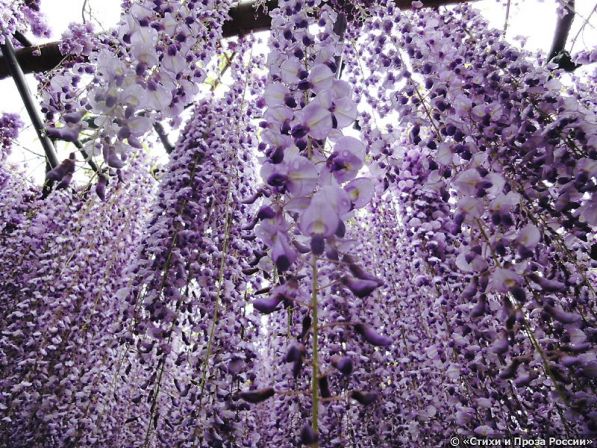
{"x": 376, "y": 229}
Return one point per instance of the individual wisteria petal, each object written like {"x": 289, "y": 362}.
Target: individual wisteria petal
{"x": 100, "y": 187}
{"x": 305, "y": 326}
{"x": 236, "y": 365}
{"x": 276, "y": 139}
{"x": 360, "y": 191}
{"x": 139, "y": 126}
{"x": 338, "y": 101}
{"x": 344, "y": 165}
{"x": 295, "y": 353}
{"x": 275, "y": 175}
{"x": 320, "y": 217}
{"x": 471, "y": 207}
{"x": 467, "y": 181}
{"x": 324, "y": 386}
{"x": 278, "y": 115}
{"x": 65, "y": 181}
{"x": 302, "y": 176}
{"x": 344, "y": 112}
{"x": 251, "y": 199}
{"x": 308, "y": 435}
{"x": 283, "y": 253}
{"x": 484, "y": 431}
{"x": 275, "y": 94}
{"x": 321, "y": 77}
{"x": 500, "y": 346}
{"x": 67, "y": 133}
{"x": 364, "y": 398}
{"x": 315, "y": 120}
{"x": 360, "y": 287}
{"x": 112, "y": 159}
{"x": 258, "y": 395}
{"x": 343, "y": 363}
{"x": 347, "y": 158}
{"x": 285, "y": 292}
{"x": 548, "y": 285}
{"x": 318, "y": 244}
{"x": 290, "y": 69}
{"x": 359, "y": 272}
{"x": 341, "y": 89}
{"x": 529, "y": 236}
{"x": 336, "y": 197}
{"x": 65, "y": 168}
{"x": 464, "y": 416}
{"x": 268, "y": 229}
{"x": 266, "y": 212}
{"x": 480, "y": 308}
{"x": 503, "y": 279}
{"x": 561, "y": 315}
{"x": 371, "y": 336}
{"x": 267, "y": 305}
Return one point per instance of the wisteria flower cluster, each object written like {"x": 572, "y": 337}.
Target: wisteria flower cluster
{"x": 62, "y": 266}
{"x": 477, "y": 206}
{"x": 379, "y": 233}
{"x": 312, "y": 180}
{"x": 22, "y": 16}
{"x": 184, "y": 327}
{"x": 10, "y": 125}
{"x": 147, "y": 70}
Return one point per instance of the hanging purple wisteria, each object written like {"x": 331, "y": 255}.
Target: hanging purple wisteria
{"x": 376, "y": 228}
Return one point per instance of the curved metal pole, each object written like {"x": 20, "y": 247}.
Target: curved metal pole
{"x": 14, "y": 68}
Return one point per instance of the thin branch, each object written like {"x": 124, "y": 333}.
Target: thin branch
{"x": 507, "y": 17}
{"x": 88, "y": 158}
{"x": 19, "y": 79}
{"x": 83, "y": 12}
{"x": 244, "y": 19}
{"x": 585, "y": 23}
{"x": 315, "y": 355}
{"x": 159, "y": 129}
{"x": 223, "y": 70}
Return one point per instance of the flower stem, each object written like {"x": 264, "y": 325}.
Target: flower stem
{"x": 222, "y": 271}
{"x": 315, "y": 361}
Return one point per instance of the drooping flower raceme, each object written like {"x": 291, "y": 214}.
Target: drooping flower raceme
{"x": 145, "y": 71}
{"x": 10, "y": 125}
{"x": 311, "y": 175}
{"x": 62, "y": 264}
{"x": 22, "y": 16}
{"x": 477, "y": 206}
{"x": 183, "y": 326}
